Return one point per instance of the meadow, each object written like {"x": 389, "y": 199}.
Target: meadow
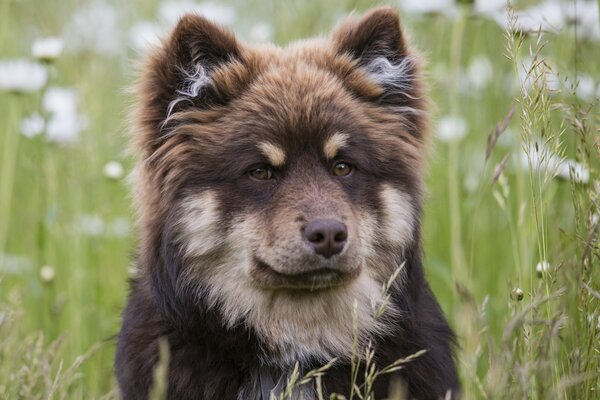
{"x": 512, "y": 209}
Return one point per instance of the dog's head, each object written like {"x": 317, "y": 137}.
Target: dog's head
{"x": 282, "y": 185}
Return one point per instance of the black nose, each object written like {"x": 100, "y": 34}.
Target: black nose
{"x": 326, "y": 236}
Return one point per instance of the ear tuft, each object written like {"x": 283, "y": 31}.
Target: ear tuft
{"x": 375, "y": 35}
{"x": 178, "y": 75}
{"x": 197, "y": 47}
{"x": 377, "y": 45}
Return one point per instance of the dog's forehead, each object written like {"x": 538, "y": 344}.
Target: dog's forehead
{"x": 297, "y": 106}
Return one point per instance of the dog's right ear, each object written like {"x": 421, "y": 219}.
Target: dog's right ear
{"x": 179, "y": 75}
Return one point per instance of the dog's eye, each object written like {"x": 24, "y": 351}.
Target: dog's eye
{"x": 261, "y": 173}
{"x": 341, "y": 168}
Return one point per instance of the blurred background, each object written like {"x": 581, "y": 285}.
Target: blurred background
{"x": 511, "y": 216}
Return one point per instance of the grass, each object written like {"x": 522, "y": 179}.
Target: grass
{"x": 523, "y": 333}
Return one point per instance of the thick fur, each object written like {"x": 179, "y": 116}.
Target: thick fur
{"x": 224, "y": 273}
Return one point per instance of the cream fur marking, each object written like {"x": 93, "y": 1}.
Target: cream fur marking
{"x": 334, "y": 144}
{"x": 275, "y": 154}
{"x": 399, "y": 215}
{"x": 200, "y": 227}
{"x": 296, "y": 326}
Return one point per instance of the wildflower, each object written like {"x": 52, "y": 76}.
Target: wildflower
{"x": 538, "y": 157}
{"x": 517, "y": 294}
{"x": 113, "y": 170}
{"x": 47, "y": 274}
{"x": 65, "y": 124}
{"x": 490, "y": 7}
{"x": 547, "y": 16}
{"x": 32, "y": 125}
{"x": 594, "y": 321}
{"x": 541, "y": 268}
{"x": 14, "y": 264}
{"x": 169, "y": 12}
{"x": 261, "y": 32}
{"x": 48, "y": 48}
{"x": 586, "y": 88}
{"x": 480, "y": 72}
{"x": 447, "y": 7}
{"x": 451, "y": 129}
{"x": 145, "y": 35}
{"x": 90, "y": 225}
{"x": 572, "y": 170}
{"x": 119, "y": 227}
{"x": 584, "y": 15}
{"x": 94, "y": 27}
{"x": 22, "y": 76}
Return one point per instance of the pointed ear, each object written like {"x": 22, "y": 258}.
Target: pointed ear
{"x": 375, "y": 35}
{"x": 179, "y": 74}
{"x": 378, "y": 46}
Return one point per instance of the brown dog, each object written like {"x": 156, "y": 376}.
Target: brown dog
{"x": 278, "y": 189}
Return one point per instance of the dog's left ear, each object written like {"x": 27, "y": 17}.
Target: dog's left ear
{"x": 183, "y": 74}
{"x": 375, "y": 36}
{"x": 378, "y": 46}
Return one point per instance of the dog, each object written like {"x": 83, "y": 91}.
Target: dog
{"x": 278, "y": 191}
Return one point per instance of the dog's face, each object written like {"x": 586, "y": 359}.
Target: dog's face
{"x": 286, "y": 182}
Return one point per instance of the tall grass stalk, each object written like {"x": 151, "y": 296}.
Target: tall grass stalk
{"x": 454, "y": 210}
{"x": 7, "y": 176}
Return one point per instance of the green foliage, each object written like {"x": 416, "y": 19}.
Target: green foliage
{"x": 511, "y": 251}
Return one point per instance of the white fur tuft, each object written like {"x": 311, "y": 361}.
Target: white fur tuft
{"x": 193, "y": 84}
{"x": 399, "y": 76}
{"x": 399, "y": 217}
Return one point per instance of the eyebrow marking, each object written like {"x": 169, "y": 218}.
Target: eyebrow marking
{"x": 275, "y": 154}
{"x": 334, "y": 143}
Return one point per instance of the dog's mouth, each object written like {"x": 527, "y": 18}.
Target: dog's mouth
{"x": 312, "y": 280}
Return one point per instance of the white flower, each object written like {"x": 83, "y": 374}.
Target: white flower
{"x": 172, "y": 10}
{"x": 119, "y": 227}
{"x": 538, "y": 157}
{"x": 90, "y": 225}
{"x": 594, "y": 321}
{"x": 94, "y": 27}
{"x": 14, "y": 264}
{"x": 585, "y": 15}
{"x": 542, "y": 267}
{"x": 451, "y": 128}
{"x": 145, "y": 35}
{"x": 32, "y": 125}
{"x": 22, "y": 76}
{"x": 59, "y": 100}
{"x": 480, "y": 72}
{"x": 64, "y": 124}
{"x": 261, "y": 32}
{"x": 47, "y": 274}
{"x": 48, "y": 48}
{"x": 113, "y": 170}
{"x": 489, "y": 7}
{"x": 547, "y": 16}
{"x": 65, "y": 128}
{"x": 586, "y": 88}
{"x": 572, "y": 170}
{"x": 429, "y": 6}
